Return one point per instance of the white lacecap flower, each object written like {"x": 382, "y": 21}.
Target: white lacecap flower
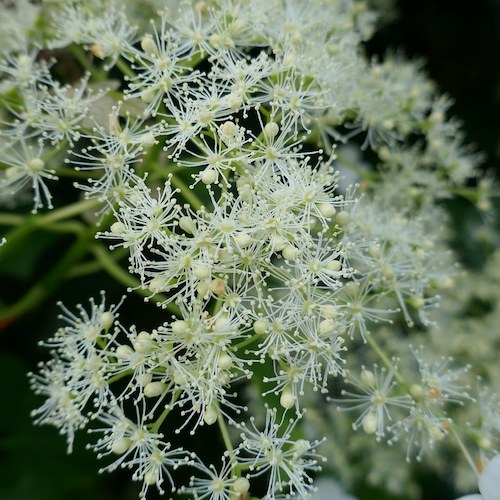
{"x": 239, "y": 94}
{"x": 26, "y": 167}
{"x": 327, "y": 488}
{"x": 489, "y": 482}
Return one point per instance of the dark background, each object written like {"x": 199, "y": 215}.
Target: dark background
{"x": 460, "y": 42}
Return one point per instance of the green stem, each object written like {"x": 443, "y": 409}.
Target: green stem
{"x": 248, "y": 341}
{"x": 54, "y": 151}
{"x": 224, "y": 432}
{"x": 86, "y": 62}
{"x": 11, "y": 219}
{"x": 67, "y": 211}
{"x": 65, "y": 227}
{"x": 387, "y": 362}
{"x": 187, "y": 193}
{"x": 32, "y": 222}
{"x": 95, "y": 266}
{"x": 119, "y": 274}
{"x": 471, "y": 193}
{"x": 84, "y": 269}
{"x": 125, "y": 68}
{"x": 49, "y": 283}
{"x": 38, "y": 221}
{"x": 119, "y": 376}
{"x": 168, "y": 408}
{"x": 465, "y": 452}
{"x": 74, "y": 174}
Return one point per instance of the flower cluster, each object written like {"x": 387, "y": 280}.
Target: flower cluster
{"x": 214, "y": 142}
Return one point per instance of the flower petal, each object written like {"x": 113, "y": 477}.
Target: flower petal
{"x": 489, "y": 481}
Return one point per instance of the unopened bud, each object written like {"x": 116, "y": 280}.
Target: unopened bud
{"x": 209, "y": 176}
{"x": 290, "y": 252}
{"x": 121, "y": 445}
{"x": 327, "y": 210}
{"x": 271, "y": 130}
{"x": 180, "y": 327}
{"x": 370, "y": 423}
{"x": 241, "y": 486}
{"x": 107, "y": 320}
{"x": 144, "y": 343}
{"x": 217, "y": 286}
{"x": 154, "y": 389}
{"x": 211, "y": 415}
{"x": 260, "y": 326}
{"x": 287, "y": 398}
{"x": 148, "y": 45}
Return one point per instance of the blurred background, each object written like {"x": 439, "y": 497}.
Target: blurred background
{"x": 460, "y": 42}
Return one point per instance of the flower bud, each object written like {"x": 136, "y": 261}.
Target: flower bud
{"x": 287, "y": 398}
{"x": 260, "y": 326}
{"x": 107, "y": 320}
{"x": 217, "y": 286}
{"x": 144, "y": 343}
{"x": 342, "y": 218}
{"x": 179, "y": 327}
{"x": 367, "y": 378}
{"x": 187, "y": 224}
{"x": 209, "y": 176}
{"x": 121, "y": 445}
{"x": 123, "y": 351}
{"x": 290, "y": 252}
{"x": 211, "y": 415}
{"x": 154, "y": 389}
{"x": 370, "y": 423}
{"x": 241, "y": 486}
{"x": 144, "y": 379}
{"x": 148, "y": 45}
{"x": 334, "y": 265}
{"x": 327, "y": 210}
{"x": 225, "y": 361}
{"x": 271, "y": 130}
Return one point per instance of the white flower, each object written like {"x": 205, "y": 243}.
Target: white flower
{"x": 328, "y": 488}
{"x": 489, "y": 482}
{"x": 138, "y": 448}
{"x": 374, "y": 396}
{"x": 288, "y": 462}
{"x": 218, "y": 486}
{"x": 158, "y": 66}
{"x": 25, "y": 166}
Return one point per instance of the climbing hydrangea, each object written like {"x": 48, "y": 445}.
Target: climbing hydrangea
{"x": 215, "y": 140}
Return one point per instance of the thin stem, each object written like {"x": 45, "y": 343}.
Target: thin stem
{"x": 168, "y": 408}
{"x": 11, "y": 219}
{"x": 224, "y": 432}
{"x": 54, "y": 151}
{"x": 187, "y": 193}
{"x": 67, "y": 211}
{"x": 70, "y": 226}
{"x": 125, "y": 68}
{"x": 32, "y": 222}
{"x": 465, "y": 452}
{"x": 86, "y": 63}
{"x": 119, "y": 274}
{"x": 387, "y": 362}
{"x": 119, "y": 376}
{"x": 248, "y": 340}
{"x": 48, "y": 283}
{"x": 95, "y": 266}
{"x": 73, "y": 174}
{"x": 84, "y": 269}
